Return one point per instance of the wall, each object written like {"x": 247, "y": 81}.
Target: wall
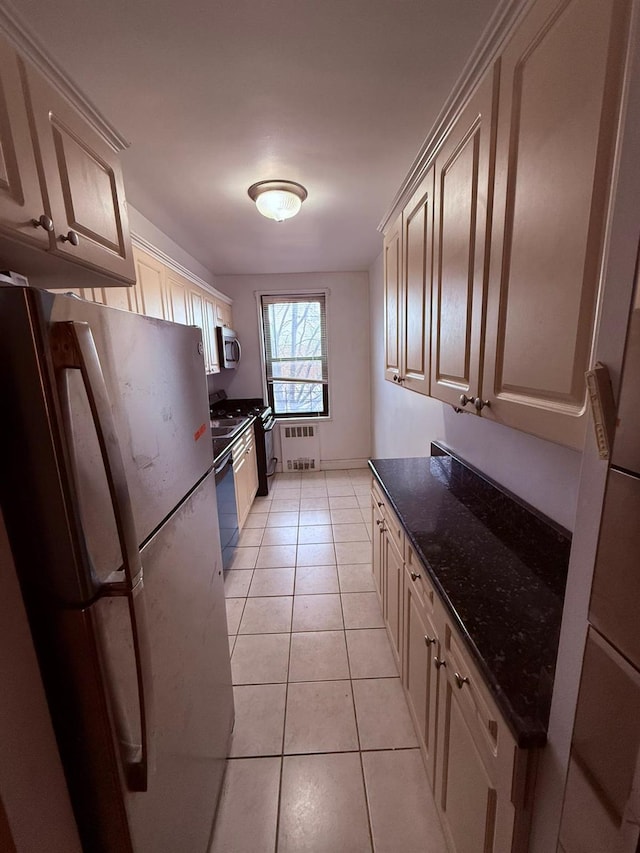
{"x": 345, "y": 439}
{"x": 545, "y": 475}
{"x": 142, "y": 227}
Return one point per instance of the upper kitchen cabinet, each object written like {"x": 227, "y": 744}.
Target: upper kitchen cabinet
{"x": 463, "y": 190}
{"x": 22, "y": 208}
{"x": 61, "y": 185}
{"x": 223, "y": 314}
{"x": 523, "y": 176}
{"x": 560, "y": 87}
{"x": 151, "y": 286}
{"x": 408, "y": 251}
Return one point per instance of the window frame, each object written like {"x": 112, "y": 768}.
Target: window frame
{"x": 275, "y": 295}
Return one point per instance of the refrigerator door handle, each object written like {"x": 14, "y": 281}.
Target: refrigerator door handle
{"x": 73, "y": 347}
{"x": 238, "y": 351}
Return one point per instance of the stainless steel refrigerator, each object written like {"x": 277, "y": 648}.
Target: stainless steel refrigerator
{"x": 602, "y": 799}
{"x": 108, "y": 492}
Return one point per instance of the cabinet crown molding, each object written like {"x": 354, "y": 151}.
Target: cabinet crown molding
{"x": 167, "y": 260}
{"x": 13, "y": 25}
{"x": 504, "y": 18}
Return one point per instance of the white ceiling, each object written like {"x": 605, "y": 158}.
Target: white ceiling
{"x": 214, "y": 95}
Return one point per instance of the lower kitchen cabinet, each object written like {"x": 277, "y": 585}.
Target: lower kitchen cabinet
{"x": 482, "y": 781}
{"x": 245, "y": 474}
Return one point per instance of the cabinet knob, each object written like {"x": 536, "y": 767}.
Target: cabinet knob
{"x": 395, "y": 378}
{"x": 43, "y": 222}
{"x": 401, "y": 378}
{"x": 379, "y": 503}
{"x": 439, "y": 662}
{"x": 414, "y": 576}
{"x": 71, "y": 237}
{"x": 429, "y": 641}
{"x": 464, "y": 399}
{"x": 460, "y": 679}
{"x": 479, "y": 403}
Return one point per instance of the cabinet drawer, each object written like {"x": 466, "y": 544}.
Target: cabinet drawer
{"x": 391, "y": 523}
{"x": 416, "y": 576}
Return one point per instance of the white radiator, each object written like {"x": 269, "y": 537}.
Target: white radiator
{"x": 300, "y": 447}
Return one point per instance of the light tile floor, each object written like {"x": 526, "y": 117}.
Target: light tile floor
{"x": 324, "y": 757}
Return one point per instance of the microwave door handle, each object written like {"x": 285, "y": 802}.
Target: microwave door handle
{"x": 238, "y": 350}
{"x": 73, "y": 347}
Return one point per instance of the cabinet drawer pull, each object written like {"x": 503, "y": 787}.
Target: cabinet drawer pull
{"x": 414, "y": 576}
{"x": 43, "y": 221}
{"x": 479, "y": 403}
{"x": 439, "y": 662}
{"x": 429, "y": 641}
{"x": 460, "y": 680}
{"x": 464, "y": 399}
{"x": 379, "y": 503}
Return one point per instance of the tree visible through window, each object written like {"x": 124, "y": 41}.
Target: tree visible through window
{"x": 295, "y": 343}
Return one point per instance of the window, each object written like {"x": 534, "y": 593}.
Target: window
{"x": 295, "y": 354}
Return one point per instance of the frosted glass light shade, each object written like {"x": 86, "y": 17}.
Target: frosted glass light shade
{"x": 278, "y": 200}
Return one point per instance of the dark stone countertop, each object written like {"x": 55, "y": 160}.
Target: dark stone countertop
{"x": 500, "y": 568}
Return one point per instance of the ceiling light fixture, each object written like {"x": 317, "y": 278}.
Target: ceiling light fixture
{"x": 278, "y": 200}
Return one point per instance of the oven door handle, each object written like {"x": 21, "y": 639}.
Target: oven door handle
{"x": 269, "y": 425}
{"x": 226, "y": 460}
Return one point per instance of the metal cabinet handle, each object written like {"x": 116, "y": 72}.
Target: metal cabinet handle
{"x": 395, "y": 378}
{"x": 439, "y": 662}
{"x": 379, "y": 503}
{"x": 71, "y": 237}
{"x": 460, "y": 680}
{"x": 464, "y": 400}
{"x": 479, "y": 403}
{"x": 429, "y": 641}
{"x": 414, "y": 576}
{"x": 43, "y": 221}
{"x": 73, "y": 348}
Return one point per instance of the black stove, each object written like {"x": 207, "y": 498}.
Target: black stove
{"x": 221, "y": 406}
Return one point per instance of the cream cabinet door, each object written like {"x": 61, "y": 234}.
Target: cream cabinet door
{"x": 223, "y": 315}
{"x": 392, "y": 301}
{"x": 466, "y": 795}
{"x": 463, "y": 187}
{"x": 83, "y": 183}
{"x": 559, "y": 90}
{"x": 393, "y": 572}
{"x": 377, "y": 536}
{"x": 21, "y": 198}
{"x": 150, "y": 286}
{"x": 198, "y": 319}
{"x": 417, "y": 249}
{"x": 419, "y": 675}
{"x": 212, "y": 340}
{"x": 178, "y": 297}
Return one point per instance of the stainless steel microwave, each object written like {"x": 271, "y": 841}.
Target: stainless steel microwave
{"x": 228, "y": 347}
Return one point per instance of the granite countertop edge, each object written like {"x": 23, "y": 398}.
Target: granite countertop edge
{"x": 528, "y": 732}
